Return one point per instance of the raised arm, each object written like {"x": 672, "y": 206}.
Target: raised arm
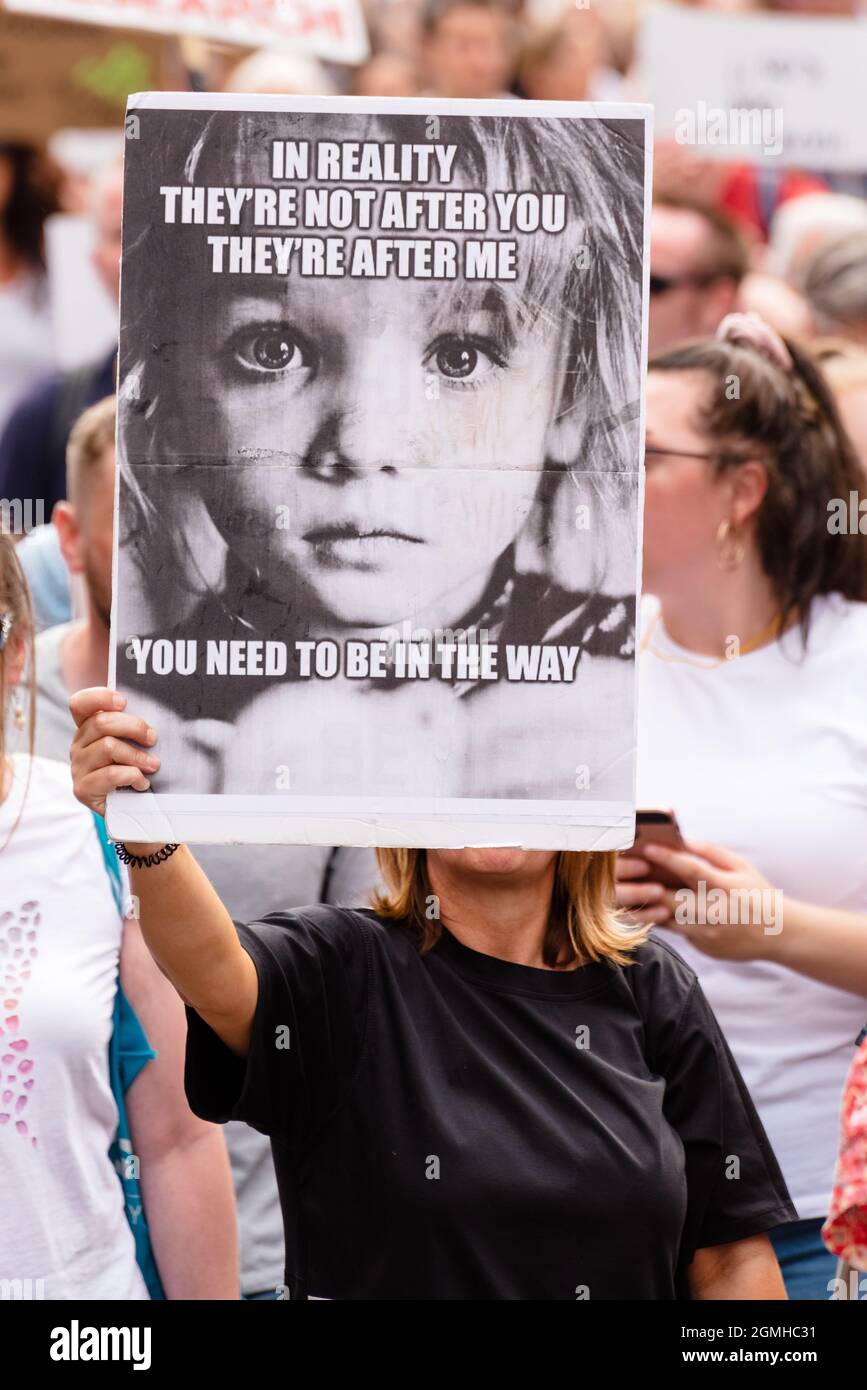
{"x": 187, "y": 929}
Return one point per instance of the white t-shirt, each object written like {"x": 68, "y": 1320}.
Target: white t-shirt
{"x": 62, "y": 1220}
{"x": 766, "y": 755}
{"x": 251, "y": 880}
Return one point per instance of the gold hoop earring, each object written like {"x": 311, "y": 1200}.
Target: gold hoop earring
{"x": 730, "y": 548}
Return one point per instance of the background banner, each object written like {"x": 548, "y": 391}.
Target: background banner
{"x": 332, "y": 29}
{"x": 56, "y": 75}
{"x": 773, "y": 89}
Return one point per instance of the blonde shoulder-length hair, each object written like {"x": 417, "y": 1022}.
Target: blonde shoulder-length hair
{"x": 583, "y": 924}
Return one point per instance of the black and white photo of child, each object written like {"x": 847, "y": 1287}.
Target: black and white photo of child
{"x": 424, "y": 491}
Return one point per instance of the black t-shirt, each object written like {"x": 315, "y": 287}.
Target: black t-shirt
{"x": 455, "y": 1126}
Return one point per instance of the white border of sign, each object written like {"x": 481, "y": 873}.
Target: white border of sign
{"x": 360, "y": 821}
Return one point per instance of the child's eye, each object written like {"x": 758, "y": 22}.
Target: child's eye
{"x": 464, "y": 359}
{"x": 273, "y": 348}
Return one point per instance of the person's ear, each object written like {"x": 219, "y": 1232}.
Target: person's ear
{"x": 565, "y": 439}
{"x": 577, "y": 424}
{"x": 749, "y": 485}
{"x": 65, "y": 522}
{"x": 561, "y": 441}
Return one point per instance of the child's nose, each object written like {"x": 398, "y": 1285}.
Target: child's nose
{"x": 371, "y": 411}
{"x": 361, "y": 435}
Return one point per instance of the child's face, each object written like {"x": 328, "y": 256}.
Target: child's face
{"x": 384, "y": 437}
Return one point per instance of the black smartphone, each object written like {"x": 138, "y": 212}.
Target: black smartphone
{"x": 657, "y": 826}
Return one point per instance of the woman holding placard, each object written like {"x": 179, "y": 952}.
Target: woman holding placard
{"x": 486, "y": 1088}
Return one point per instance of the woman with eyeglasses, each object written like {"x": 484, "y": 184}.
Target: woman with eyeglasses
{"x": 753, "y": 730}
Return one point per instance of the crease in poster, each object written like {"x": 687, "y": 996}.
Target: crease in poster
{"x": 379, "y": 480}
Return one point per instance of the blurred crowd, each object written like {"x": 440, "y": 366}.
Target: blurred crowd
{"x": 787, "y": 243}
{"x": 774, "y": 779}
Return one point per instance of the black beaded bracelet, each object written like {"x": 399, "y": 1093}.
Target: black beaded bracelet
{"x": 143, "y": 861}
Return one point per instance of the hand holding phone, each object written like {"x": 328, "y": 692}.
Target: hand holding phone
{"x": 657, "y": 826}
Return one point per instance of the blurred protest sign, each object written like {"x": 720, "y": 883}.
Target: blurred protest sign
{"x": 83, "y": 313}
{"x": 330, "y": 29}
{"x": 54, "y": 75}
{"x": 761, "y": 88}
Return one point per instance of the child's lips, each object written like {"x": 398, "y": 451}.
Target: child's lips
{"x": 358, "y": 543}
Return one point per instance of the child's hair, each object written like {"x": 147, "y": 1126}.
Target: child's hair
{"x": 583, "y": 924}
{"x": 586, "y": 278}
{"x": 787, "y": 420}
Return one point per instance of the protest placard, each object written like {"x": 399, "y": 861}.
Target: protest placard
{"x": 332, "y": 29}
{"x": 774, "y": 89}
{"x": 379, "y": 483}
